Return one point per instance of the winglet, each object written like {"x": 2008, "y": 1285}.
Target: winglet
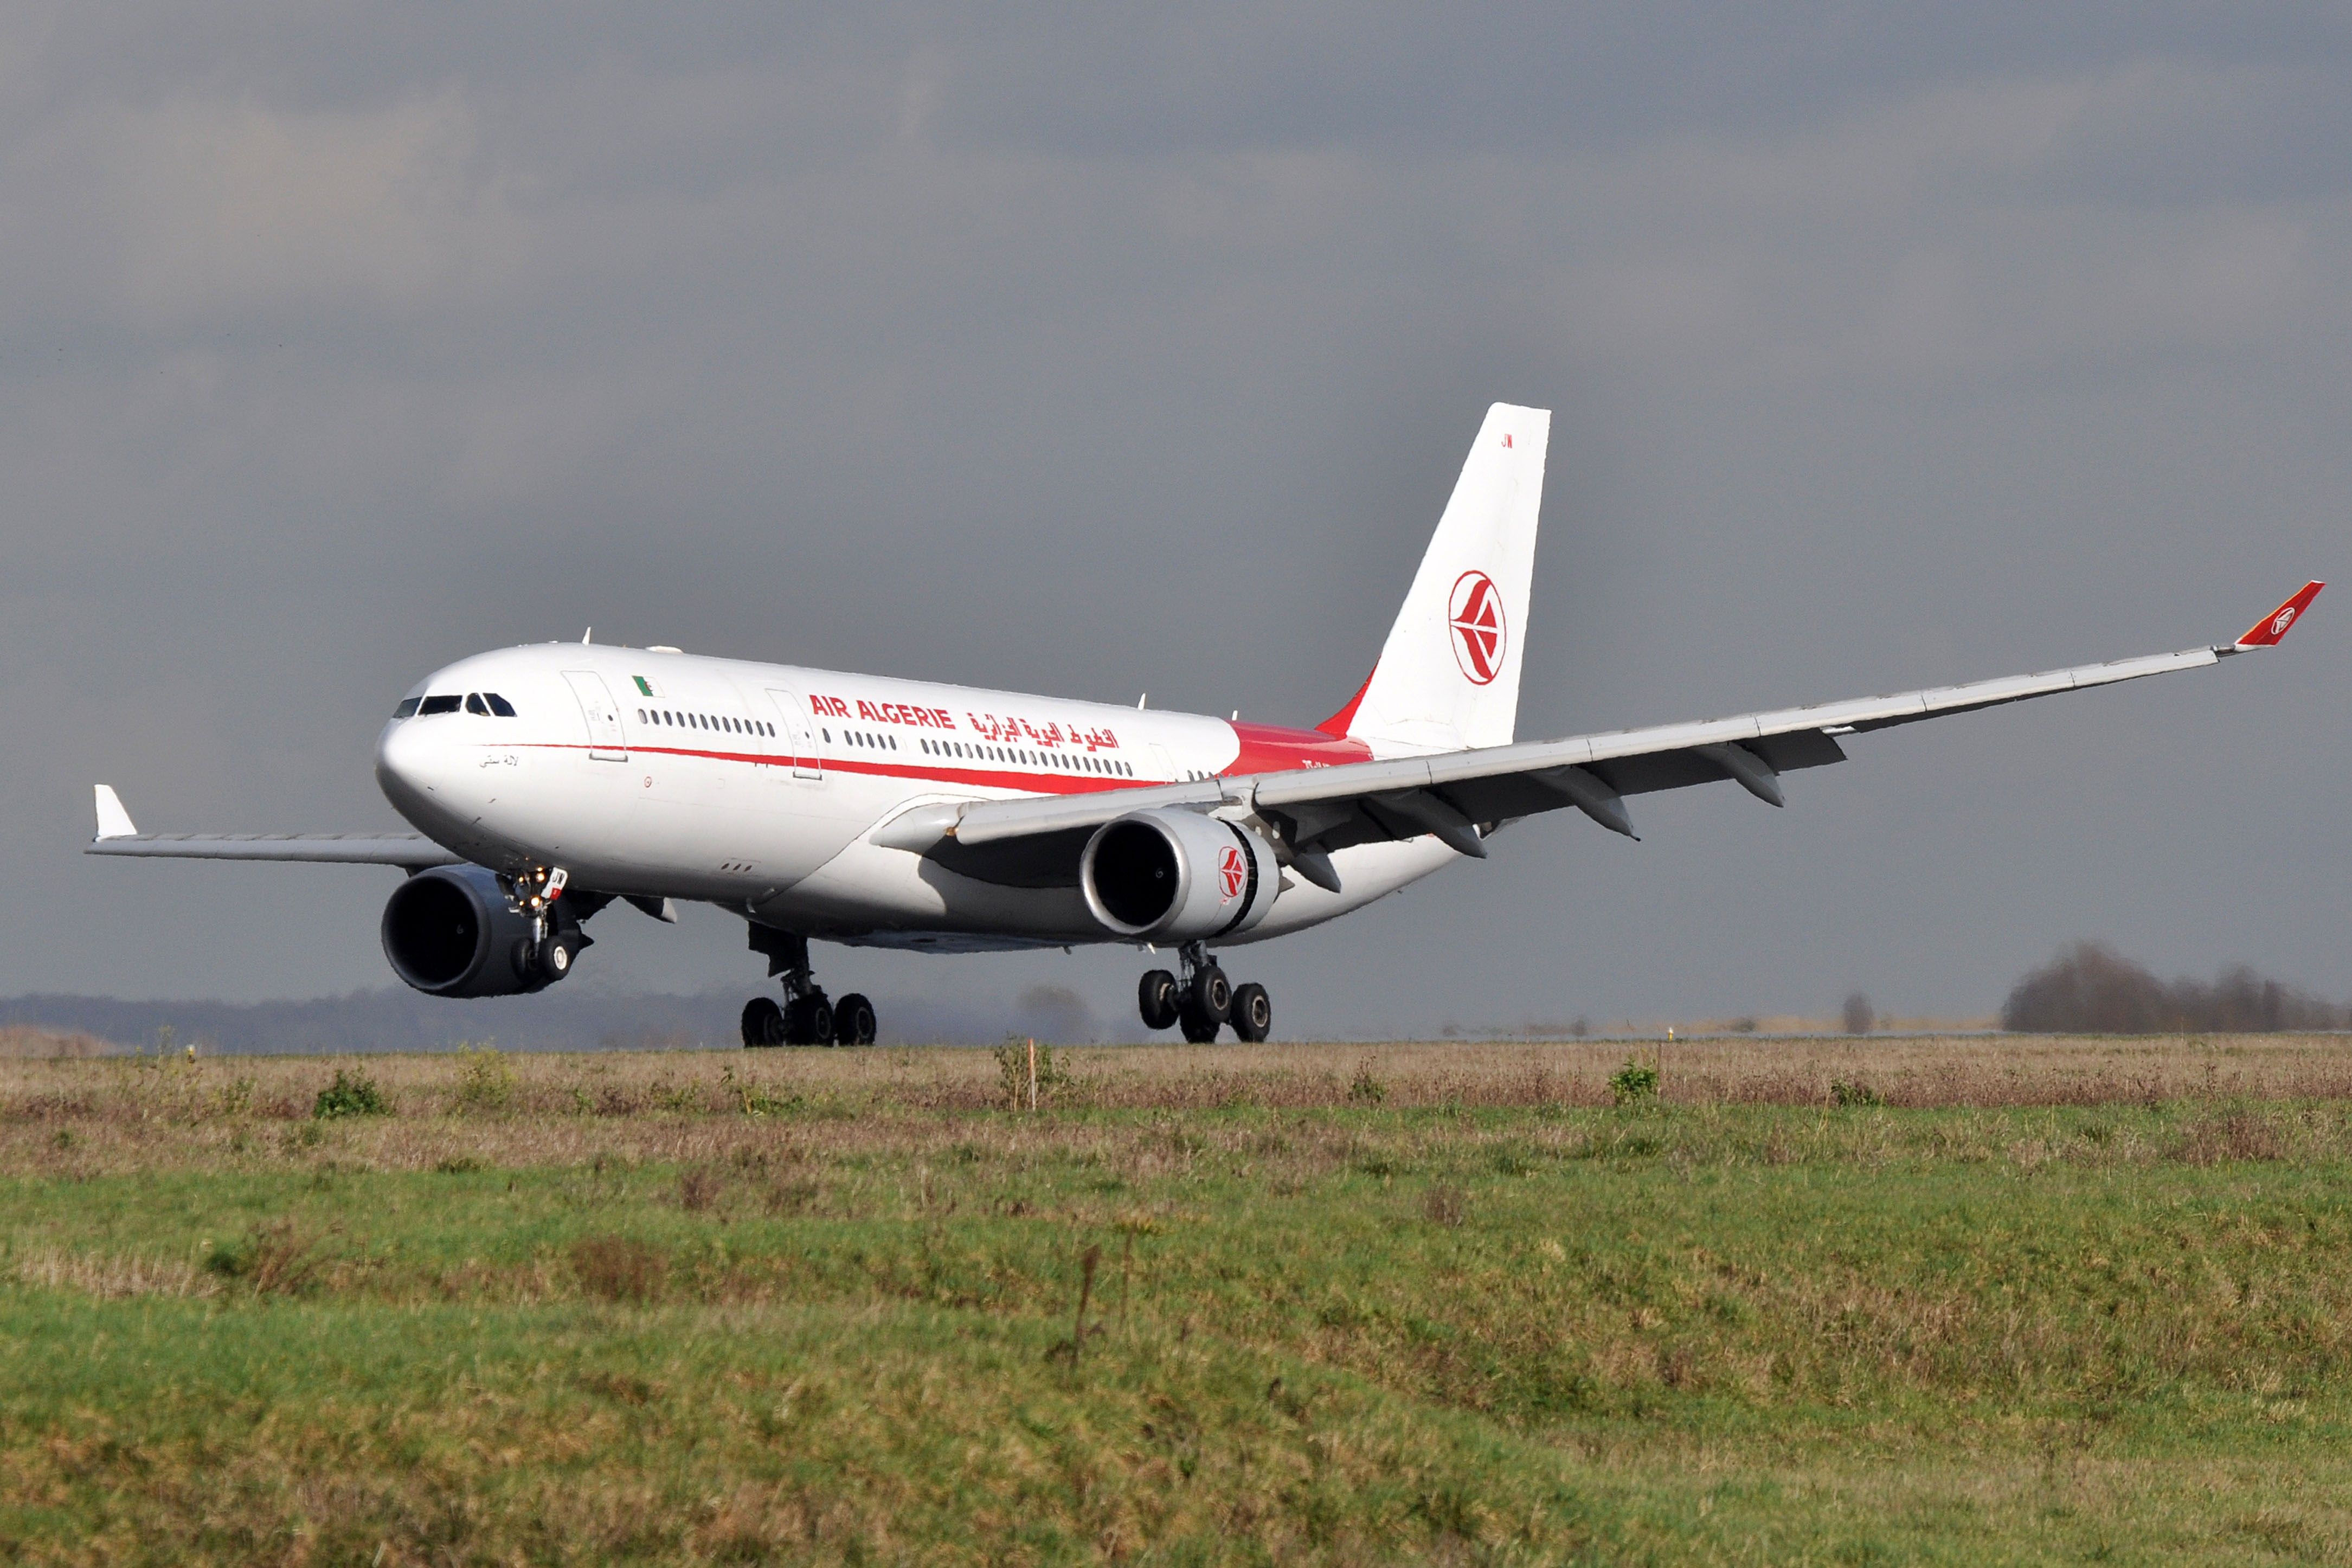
{"x": 2266, "y": 632}
{"x": 113, "y": 822}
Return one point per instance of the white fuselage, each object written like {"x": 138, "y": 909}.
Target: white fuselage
{"x": 756, "y": 786}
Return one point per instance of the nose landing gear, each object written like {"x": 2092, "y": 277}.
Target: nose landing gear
{"x": 1203, "y": 1000}
{"x": 808, "y": 1017}
{"x": 556, "y": 940}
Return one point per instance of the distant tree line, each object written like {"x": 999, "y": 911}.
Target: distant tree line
{"x": 2090, "y": 989}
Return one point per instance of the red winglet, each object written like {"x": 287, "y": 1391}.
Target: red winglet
{"x": 2267, "y": 631}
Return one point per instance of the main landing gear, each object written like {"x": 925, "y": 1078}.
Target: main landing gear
{"x": 1203, "y": 1000}
{"x": 806, "y": 1017}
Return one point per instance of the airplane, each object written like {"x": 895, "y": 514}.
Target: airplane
{"x": 545, "y": 783}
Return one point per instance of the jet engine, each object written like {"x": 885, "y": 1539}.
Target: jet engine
{"x": 453, "y": 931}
{"x": 1177, "y": 875}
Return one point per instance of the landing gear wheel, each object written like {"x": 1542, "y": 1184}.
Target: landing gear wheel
{"x": 853, "y": 1021}
{"x": 1253, "y": 1012}
{"x": 763, "y": 1022}
{"x": 1198, "y": 1030}
{"x": 1211, "y": 995}
{"x": 1155, "y": 998}
{"x": 808, "y": 1021}
{"x": 555, "y": 956}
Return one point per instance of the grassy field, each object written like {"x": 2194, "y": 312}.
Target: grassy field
{"x": 1945, "y": 1301}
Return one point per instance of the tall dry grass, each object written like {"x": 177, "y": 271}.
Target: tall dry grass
{"x": 89, "y": 1117}
{"x": 26, "y": 1042}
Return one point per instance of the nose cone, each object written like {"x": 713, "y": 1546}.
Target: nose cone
{"x": 415, "y": 768}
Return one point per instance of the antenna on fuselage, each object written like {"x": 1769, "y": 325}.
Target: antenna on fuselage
{"x": 587, "y": 635}
{"x": 1139, "y": 702}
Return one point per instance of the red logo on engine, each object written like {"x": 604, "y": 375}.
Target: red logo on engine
{"x": 1233, "y": 872}
{"x": 1475, "y": 613}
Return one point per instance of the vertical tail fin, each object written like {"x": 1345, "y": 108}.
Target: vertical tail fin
{"x": 1449, "y": 674}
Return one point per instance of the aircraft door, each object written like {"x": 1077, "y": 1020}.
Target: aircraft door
{"x": 808, "y": 762}
{"x": 606, "y": 741}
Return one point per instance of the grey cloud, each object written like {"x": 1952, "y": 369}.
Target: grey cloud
{"x": 1063, "y": 350}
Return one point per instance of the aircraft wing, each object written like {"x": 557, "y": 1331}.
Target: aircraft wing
{"x": 1450, "y": 794}
{"x": 117, "y": 836}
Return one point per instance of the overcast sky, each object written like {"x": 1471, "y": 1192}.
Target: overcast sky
{"x": 1064, "y": 349}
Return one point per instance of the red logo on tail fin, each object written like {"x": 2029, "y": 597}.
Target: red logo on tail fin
{"x": 1480, "y": 635}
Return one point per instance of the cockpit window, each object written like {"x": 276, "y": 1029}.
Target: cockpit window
{"x": 474, "y": 704}
{"x": 433, "y": 705}
{"x": 407, "y": 708}
{"x": 498, "y": 705}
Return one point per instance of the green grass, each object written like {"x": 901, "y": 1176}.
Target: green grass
{"x": 1709, "y": 1334}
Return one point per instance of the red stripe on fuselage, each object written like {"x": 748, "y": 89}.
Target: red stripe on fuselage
{"x": 1040, "y": 783}
{"x": 1340, "y": 724}
{"x": 1264, "y": 747}
{"x": 1271, "y": 749}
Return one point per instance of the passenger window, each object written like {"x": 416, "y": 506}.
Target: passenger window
{"x": 433, "y": 705}
{"x": 475, "y": 705}
{"x": 407, "y": 708}
{"x": 498, "y": 705}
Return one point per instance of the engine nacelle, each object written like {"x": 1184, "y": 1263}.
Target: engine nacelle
{"x": 452, "y": 931}
{"x": 1177, "y": 875}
